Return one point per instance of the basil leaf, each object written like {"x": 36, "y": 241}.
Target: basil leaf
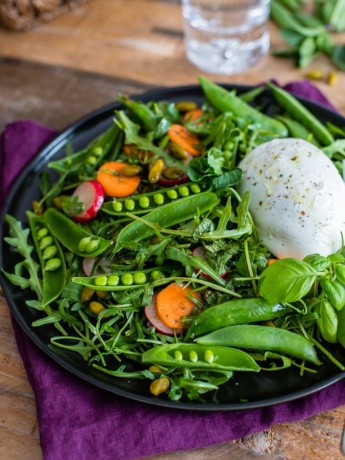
{"x": 334, "y": 291}
{"x": 287, "y": 280}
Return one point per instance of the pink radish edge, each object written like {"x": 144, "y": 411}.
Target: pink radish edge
{"x": 91, "y": 194}
{"x": 154, "y": 320}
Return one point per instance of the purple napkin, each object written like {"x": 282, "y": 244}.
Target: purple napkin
{"x": 78, "y": 420}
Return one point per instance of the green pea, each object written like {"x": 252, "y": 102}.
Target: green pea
{"x": 42, "y": 232}
{"x": 91, "y": 160}
{"x": 158, "y": 198}
{"x": 183, "y": 191}
{"x": 113, "y": 280}
{"x": 157, "y": 275}
{"x": 83, "y": 242}
{"x": 45, "y": 242}
{"x": 144, "y": 202}
{"x": 97, "y": 151}
{"x": 139, "y": 278}
{"x": 49, "y": 252}
{"x": 92, "y": 246}
{"x": 195, "y": 188}
{"x": 52, "y": 264}
{"x": 172, "y": 194}
{"x": 130, "y": 204}
{"x": 127, "y": 279}
{"x": 101, "y": 280}
{"x": 209, "y": 356}
{"x": 193, "y": 356}
{"x": 178, "y": 355}
{"x": 117, "y": 206}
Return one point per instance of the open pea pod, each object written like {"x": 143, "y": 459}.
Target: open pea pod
{"x": 200, "y": 357}
{"x": 51, "y": 259}
{"x": 147, "y": 202}
{"x": 131, "y": 279}
{"x": 71, "y": 235}
{"x": 265, "y": 338}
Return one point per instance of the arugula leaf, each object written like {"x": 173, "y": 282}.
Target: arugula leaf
{"x": 19, "y": 240}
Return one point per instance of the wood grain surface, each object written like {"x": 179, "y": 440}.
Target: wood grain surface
{"x": 62, "y": 70}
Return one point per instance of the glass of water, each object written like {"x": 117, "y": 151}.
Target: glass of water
{"x": 225, "y": 36}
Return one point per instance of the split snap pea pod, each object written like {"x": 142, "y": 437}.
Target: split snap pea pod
{"x": 225, "y": 101}
{"x": 238, "y": 311}
{"x": 144, "y": 203}
{"x": 200, "y": 357}
{"x": 264, "y": 338}
{"x": 93, "y": 154}
{"x": 294, "y": 108}
{"x": 73, "y": 236}
{"x": 51, "y": 259}
{"x": 166, "y": 216}
{"x": 119, "y": 281}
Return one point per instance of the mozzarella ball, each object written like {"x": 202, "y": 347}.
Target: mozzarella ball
{"x": 297, "y": 198}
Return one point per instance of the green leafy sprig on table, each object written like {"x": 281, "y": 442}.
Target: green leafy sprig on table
{"x": 309, "y": 34}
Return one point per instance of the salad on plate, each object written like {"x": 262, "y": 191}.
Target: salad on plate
{"x": 188, "y": 243}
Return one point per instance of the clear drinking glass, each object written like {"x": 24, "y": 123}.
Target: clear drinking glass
{"x": 225, "y": 36}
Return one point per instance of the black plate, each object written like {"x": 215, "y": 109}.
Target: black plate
{"x": 246, "y": 390}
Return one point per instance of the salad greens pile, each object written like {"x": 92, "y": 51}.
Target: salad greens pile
{"x": 166, "y": 283}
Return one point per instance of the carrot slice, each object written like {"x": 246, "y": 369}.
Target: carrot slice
{"x": 172, "y": 303}
{"x": 271, "y": 261}
{"x": 114, "y": 183}
{"x": 193, "y": 115}
{"x": 189, "y": 141}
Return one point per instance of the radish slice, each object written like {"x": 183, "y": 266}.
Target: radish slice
{"x": 88, "y": 263}
{"x": 181, "y": 180}
{"x": 171, "y": 182}
{"x": 91, "y": 194}
{"x": 154, "y": 320}
{"x": 200, "y": 251}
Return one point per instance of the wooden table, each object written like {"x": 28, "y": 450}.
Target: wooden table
{"x": 79, "y": 62}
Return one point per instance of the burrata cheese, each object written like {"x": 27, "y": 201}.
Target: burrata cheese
{"x": 297, "y": 198}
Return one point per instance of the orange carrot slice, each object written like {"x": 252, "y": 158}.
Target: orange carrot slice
{"x": 193, "y": 115}
{"x": 189, "y": 141}
{"x": 114, "y": 183}
{"x": 271, "y": 261}
{"x": 172, "y": 303}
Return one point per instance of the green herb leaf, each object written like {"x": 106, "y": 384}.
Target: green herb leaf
{"x": 287, "y": 280}
{"x": 26, "y": 273}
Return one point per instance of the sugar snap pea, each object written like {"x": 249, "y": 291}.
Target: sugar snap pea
{"x": 200, "y": 357}
{"x": 53, "y": 267}
{"x": 301, "y": 113}
{"x": 225, "y": 101}
{"x": 238, "y": 311}
{"x": 265, "y": 338}
{"x": 73, "y": 236}
{"x": 166, "y": 216}
{"x": 298, "y": 130}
